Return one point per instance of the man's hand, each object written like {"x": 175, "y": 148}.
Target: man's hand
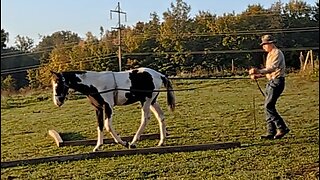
{"x": 253, "y": 71}
{"x": 256, "y": 76}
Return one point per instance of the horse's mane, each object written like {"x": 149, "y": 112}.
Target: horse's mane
{"x": 74, "y": 72}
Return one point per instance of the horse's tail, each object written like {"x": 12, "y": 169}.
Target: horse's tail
{"x": 171, "y": 100}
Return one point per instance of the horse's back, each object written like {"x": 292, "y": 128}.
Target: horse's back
{"x": 124, "y": 79}
{"x": 150, "y": 75}
{"x": 149, "y": 70}
{"x": 138, "y": 84}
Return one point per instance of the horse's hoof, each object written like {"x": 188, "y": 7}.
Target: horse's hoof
{"x": 132, "y": 146}
{"x": 127, "y": 145}
{"x": 95, "y": 150}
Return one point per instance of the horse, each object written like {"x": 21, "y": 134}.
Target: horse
{"x": 107, "y": 89}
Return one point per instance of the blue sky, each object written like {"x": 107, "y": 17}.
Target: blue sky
{"x": 43, "y": 17}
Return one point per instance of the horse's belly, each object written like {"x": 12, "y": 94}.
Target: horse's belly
{"x": 123, "y": 99}
{"x": 132, "y": 97}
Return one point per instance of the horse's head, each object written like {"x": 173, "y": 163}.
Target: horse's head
{"x": 60, "y": 88}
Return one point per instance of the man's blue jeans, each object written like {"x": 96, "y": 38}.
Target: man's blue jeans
{"x": 274, "y": 88}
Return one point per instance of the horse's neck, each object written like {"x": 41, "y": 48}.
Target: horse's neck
{"x": 93, "y": 79}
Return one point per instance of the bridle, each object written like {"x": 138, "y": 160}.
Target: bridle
{"x": 64, "y": 82}
{"x": 65, "y": 87}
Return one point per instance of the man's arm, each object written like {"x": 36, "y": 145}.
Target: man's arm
{"x": 254, "y": 73}
{"x": 256, "y": 76}
{"x": 274, "y": 61}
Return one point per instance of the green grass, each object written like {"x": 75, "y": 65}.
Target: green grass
{"x": 219, "y": 111}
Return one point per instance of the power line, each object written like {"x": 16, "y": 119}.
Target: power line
{"x": 86, "y": 59}
{"x": 141, "y": 35}
{"x": 218, "y": 51}
{"x": 50, "y": 48}
{"x": 257, "y": 32}
{"x": 22, "y": 69}
{"x": 118, "y": 10}
{"x": 16, "y": 70}
{"x": 38, "y": 50}
{"x": 91, "y": 59}
{"x": 245, "y": 14}
{"x": 42, "y": 49}
{"x": 291, "y": 30}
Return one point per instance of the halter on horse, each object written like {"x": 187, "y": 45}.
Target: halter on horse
{"x": 108, "y": 89}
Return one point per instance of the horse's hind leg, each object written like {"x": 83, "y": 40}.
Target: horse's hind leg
{"x": 145, "y": 117}
{"x": 157, "y": 111}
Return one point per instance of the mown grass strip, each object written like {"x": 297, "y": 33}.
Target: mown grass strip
{"x": 104, "y": 154}
{"x": 60, "y": 142}
{"x": 105, "y": 141}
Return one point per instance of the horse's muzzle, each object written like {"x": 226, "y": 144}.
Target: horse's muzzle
{"x": 58, "y": 101}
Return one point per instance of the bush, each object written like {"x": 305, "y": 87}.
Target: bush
{"x": 8, "y": 83}
{"x": 311, "y": 72}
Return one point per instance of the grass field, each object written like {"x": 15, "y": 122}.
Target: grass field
{"x": 219, "y": 111}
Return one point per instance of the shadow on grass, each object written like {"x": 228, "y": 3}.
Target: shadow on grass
{"x": 21, "y": 102}
{"x": 290, "y": 140}
{"x": 72, "y": 136}
{"x": 305, "y": 171}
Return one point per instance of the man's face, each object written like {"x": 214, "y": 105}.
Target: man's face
{"x": 267, "y": 47}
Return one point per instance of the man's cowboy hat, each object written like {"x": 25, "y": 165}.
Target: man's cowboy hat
{"x": 267, "y": 39}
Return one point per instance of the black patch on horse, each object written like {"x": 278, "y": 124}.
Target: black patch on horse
{"x": 97, "y": 101}
{"x": 71, "y": 77}
{"x": 73, "y": 81}
{"x": 92, "y": 93}
{"x": 141, "y": 87}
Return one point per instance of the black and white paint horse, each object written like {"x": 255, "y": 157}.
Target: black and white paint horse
{"x": 108, "y": 89}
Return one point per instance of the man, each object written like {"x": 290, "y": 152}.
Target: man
{"x": 275, "y": 73}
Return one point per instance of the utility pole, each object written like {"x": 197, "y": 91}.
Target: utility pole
{"x": 118, "y": 10}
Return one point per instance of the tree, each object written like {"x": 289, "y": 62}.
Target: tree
{"x": 299, "y": 14}
{"x": 315, "y": 13}
{"x": 173, "y": 33}
{"x": 24, "y": 44}
{"x": 4, "y": 38}
{"x": 8, "y": 83}
{"x": 51, "y": 51}
{"x": 177, "y": 43}
{"x": 133, "y": 38}
{"x": 174, "y": 29}
{"x": 47, "y": 43}
{"x": 33, "y": 77}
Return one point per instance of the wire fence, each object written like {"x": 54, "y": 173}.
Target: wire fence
{"x": 192, "y": 34}
{"x": 94, "y": 58}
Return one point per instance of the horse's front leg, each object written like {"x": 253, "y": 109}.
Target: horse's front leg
{"x": 99, "y": 115}
{"x": 145, "y": 117}
{"x": 109, "y": 128}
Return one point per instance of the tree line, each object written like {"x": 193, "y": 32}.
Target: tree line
{"x": 179, "y": 44}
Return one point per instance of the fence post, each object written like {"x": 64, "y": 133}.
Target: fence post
{"x": 306, "y": 61}
{"x": 301, "y": 58}
{"x": 311, "y": 60}
{"x": 232, "y": 67}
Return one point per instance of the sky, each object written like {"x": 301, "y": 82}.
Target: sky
{"x": 35, "y": 18}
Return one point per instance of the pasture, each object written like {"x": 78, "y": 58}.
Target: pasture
{"x": 218, "y": 111}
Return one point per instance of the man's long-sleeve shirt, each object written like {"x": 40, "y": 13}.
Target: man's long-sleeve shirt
{"x": 275, "y": 65}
